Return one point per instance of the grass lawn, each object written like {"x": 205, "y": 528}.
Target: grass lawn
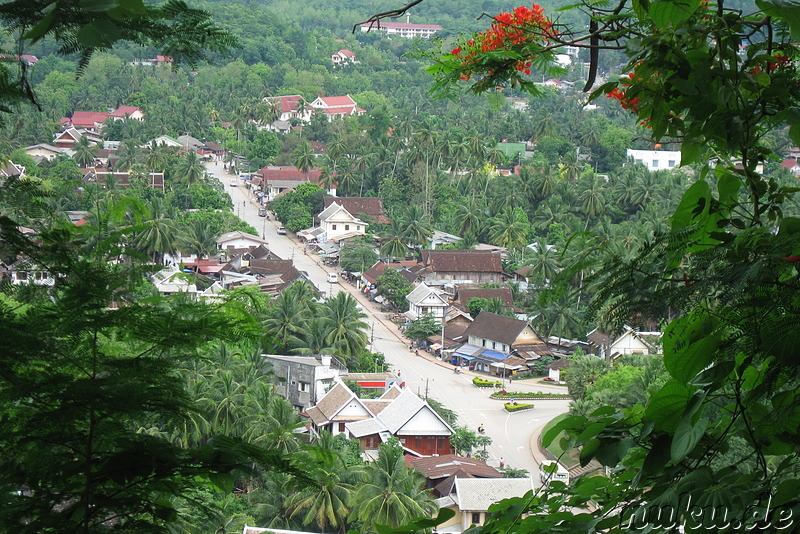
{"x": 571, "y": 458}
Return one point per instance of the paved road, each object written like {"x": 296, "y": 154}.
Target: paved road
{"x": 513, "y": 435}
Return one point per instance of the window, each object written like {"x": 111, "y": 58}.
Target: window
{"x": 494, "y": 345}
{"x": 476, "y": 518}
{"x": 655, "y": 163}
{"x": 341, "y": 427}
{"x": 346, "y": 226}
{"x": 304, "y": 387}
{"x": 333, "y": 227}
{"x": 671, "y": 163}
{"x": 483, "y": 342}
{"x": 504, "y": 347}
{"x": 358, "y": 227}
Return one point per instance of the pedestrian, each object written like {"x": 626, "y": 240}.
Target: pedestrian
{"x": 502, "y": 463}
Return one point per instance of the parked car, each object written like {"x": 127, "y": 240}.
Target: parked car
{"x": 233, "y": 182}
{"x": 333, "y": 278}
{"x": 262, "y": 212}
{"x": 281, "y": 231}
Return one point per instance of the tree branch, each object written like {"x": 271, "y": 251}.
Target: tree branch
{"x": 378, "y": 17}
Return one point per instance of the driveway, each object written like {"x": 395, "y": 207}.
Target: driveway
{"x": 514, "y": 436}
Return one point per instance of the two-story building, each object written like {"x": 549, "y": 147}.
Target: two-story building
{"x": 451, "y": 267}
{"x": 304, "y": 379}
{"x": 337, "y": 223}
{"x": 425, "y": 299}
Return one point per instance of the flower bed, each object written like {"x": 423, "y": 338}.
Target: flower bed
{"x": 517, "y": 407}
{"x": 503, "y": 394}
{"x": 482, "y": 383}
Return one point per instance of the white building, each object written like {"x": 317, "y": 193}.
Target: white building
{"x": 338, "y": 223}
{"x": 425, "y": 299}
{"x": 656, "y": 160}
{"x": 403, "y": 29}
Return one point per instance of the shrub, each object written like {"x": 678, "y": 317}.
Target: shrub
{"x": 516, "y": 407}
{"x": 483, "y": 383}
{"x": 502, "y": 394}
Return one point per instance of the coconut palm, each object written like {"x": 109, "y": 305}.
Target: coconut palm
{"x": 304, "y": 157}
{"x": 418, "y": 228}
{"x": 197, "y": 238}
{"x": 85, "y": 152}
{"x": 344, "y": 322}
{"x": 190, "y": 169}
{"x": 471, "y": 214}
{"x": 129, "y": 156}
{"x": 158, "y": 237}
{"x": 327, "y": 501}
{"x": 390, "y": 492}
{"x": 507, "y": 230}
{"x": 286, "y": 320}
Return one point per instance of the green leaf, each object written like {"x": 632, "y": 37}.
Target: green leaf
{"x": 99, "y": 5}
{"x": 588, "y": 450}
{"x": 41, "y": 29}
{"x": 690, "y": 151}
{"x": 672, "y": 12}
{"x": 686, "y": 437}
{"x": 787, "y": 492}
{"x": 794, "y": 133}
{"x": 573, "y": 421}
{"x": 689, "y": 345}
{"x": 223, "y": 481}
{"x": 99, "y": 34}
{"x": 783, "y": 10}
{"x": 667, "y": 405}
{"x": 728, "y": 187}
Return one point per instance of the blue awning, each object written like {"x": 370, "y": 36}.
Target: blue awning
{"x": 492, "y": 355}
{"x": 465, "y": 357}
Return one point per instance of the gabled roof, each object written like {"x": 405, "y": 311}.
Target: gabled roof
{"x": 332, "y": 403}
{"x": 259, "y": 266}
{"x": 436, "y": 467}
{"x": 599, "y": 339}
{"x": 88, "y": 119}
{"x": 334, "y": 102}
{"x": 423, "y": 291}
{"x": 238, "y": 234}
{"x": 496, "y": 327}
{"x": 274, "y": 173}
{"x": 122, "y": 111}
{"x": 477, "y": 494}
{"x": 369, "y": 206}
{"x": 503, "y": 293}
{"x": 288, "y": 103}
{"x": 405, "y": 407}
{"x": 346, "y": 53}
{"x": 461, "y": 261}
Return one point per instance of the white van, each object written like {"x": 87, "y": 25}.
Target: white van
{"x": 333, "y": 278}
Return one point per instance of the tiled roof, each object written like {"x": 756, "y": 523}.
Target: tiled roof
{"x": 370, "y": 206}
{"x": 461, "y": 261}
{"x": 288, "y": 102}
{"x": 368, "y": 427}
{"x": 337, "y": 101}
{"x": 334, "y": 400}
{"x": 477, "y": 494}
{"x": 503, "y": 293}
{"x": 272, "y": 173}
{"x": 270, "y": 266}
{"x": 496, "y": 327}
{"x": 422, "y": 291}
{"x": 125, "y": 110}
{"x": 87, "y": 119}
{"x": 434, "y": 467}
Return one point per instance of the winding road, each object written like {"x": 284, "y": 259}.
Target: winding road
{"x": 514, "y": 436}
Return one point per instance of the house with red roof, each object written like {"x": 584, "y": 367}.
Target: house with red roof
{"x": 93, "y": 120}
{"x": 791, "y": 165}
{"x": 336, "y": 106}
{"x": 70, "y": 137}
{"x": 290, "y": 107}
{"x": 273, "y": 180}
{"x": 343, "y": 57}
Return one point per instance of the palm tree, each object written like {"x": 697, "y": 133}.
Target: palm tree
{"x": 471, "y": 214}
{"x": 85, "y": 152}
{"x": 593, "y": 202}
{"x": 395, "y": 246}
{"x": 418, "y": 230}
{"x": 390, "y": 492}
{"x": 286, "y": 321}
{"x": 190, "y": 169}
{"x": 197, "y": 238}
{"x": 326, "y": 502}
{"x": 130, "y": 156}
{"x": 156, "y": 157}
{"x": 344, "y": 322}
{"x": 543, "y": 262}
{"x": 507, "y": 230}
{"x": 304, "y": 157}
{"x": 158, "y": 237}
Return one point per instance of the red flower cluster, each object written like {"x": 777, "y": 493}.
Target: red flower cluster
{"x": 509, "y": 30}
{"x": 626, "y": 102}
